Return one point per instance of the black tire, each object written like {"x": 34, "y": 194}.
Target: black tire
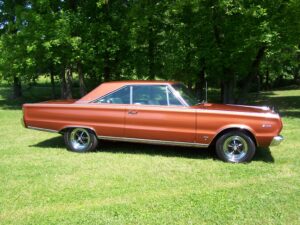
{"x": 80, "y": 140}
{"x": 235, "y": 147}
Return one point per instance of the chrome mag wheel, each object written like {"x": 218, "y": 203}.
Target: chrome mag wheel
{"x": 235, "y": 148}
{"x": 80, "y": 139}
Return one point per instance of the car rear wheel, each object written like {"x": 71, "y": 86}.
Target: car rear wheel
{"x": 80, "y": 140}
{"x": 236, "y": 147}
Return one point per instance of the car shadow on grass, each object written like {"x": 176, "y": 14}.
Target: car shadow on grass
{"x": 115, "y": 147}
{"x": 154, "y": 150}
{"x": 264, "y": 154}
{"x": 54, "y": 143}
{"x": 133, "y": 148}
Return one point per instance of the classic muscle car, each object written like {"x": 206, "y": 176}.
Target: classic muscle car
{"x": 156, "y": 112}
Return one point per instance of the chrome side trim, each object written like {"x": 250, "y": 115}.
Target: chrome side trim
{"x": 276, "y": 140}
{"x": 254, "y": 114}
{"x": 42, "y": 129}
{"x": 155, "y": 142}
{"x": 252, "y": 106}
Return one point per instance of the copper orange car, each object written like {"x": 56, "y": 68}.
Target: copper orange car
{"x": 156, "y": 112}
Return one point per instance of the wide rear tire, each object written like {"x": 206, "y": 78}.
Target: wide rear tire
{"x": 235, "y": 147}
{"x": 80, "y": 140}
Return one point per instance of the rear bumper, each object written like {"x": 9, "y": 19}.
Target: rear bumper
{"x": 276, "y": 140}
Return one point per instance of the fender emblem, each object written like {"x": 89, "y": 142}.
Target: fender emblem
{"x": 266, "y": 125}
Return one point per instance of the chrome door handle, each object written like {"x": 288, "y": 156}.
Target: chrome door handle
{"x": 132, "y": 112}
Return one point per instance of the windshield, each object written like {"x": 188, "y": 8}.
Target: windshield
{"x": 185, "y": 93}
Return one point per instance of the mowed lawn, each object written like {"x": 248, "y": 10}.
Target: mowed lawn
{"x": 42, "y": 183}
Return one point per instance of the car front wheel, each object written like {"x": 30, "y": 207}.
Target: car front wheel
{"x": 80, "y": 140}
{"x": 236, "y": 147}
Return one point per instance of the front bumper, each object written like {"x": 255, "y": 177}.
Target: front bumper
{"x": 276, "y": 140}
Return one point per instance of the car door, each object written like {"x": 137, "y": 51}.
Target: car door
{"x": 156, "y": 114}
{"x": 108, "y": 113}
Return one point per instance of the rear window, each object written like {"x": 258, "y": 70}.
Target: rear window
{"x": 121, "y": 96}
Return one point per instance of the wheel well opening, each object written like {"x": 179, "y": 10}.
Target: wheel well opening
{"x": 245, "y": 131}
{"x": 62, "y": 131}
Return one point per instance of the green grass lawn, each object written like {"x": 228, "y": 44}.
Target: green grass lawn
{"x": 42, "y": 183}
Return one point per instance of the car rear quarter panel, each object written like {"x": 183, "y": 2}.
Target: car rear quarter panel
{"x": 103, "y": 119}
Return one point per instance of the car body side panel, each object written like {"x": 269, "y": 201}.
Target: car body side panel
{"x": 195, "y": 124}
{"x": 160, "y": 123}
{"x": 105, "y": 119}
{"x": 181, "y": 124}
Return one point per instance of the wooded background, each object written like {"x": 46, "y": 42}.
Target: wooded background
{"x": 236, "y": 46}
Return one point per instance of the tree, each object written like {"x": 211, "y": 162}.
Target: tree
{"x": 230, "y": 44}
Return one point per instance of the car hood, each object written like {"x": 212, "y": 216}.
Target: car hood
{"x": 235, "y": 108}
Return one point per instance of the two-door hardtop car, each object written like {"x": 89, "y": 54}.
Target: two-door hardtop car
{"x": 156, "y": 112}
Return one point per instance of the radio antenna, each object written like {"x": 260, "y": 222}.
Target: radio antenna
{"x": 206, "y": 91}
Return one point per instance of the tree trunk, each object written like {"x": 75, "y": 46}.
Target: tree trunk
{"x": 190, "y": 85}
{"x": 296, "y": 72}
{"x": 267, "y": 83}
{"x": 200, "y": 85}
{"x": 63, "y": 84}
{"x": 17, "y": 88}
{"x": 259, "y": 82}
{"x": 227, "y": 86}
{"x": 227, "y": 91}
{"x": 81, "y": 80}
{"x": 69, "y": 83}
{"x": 252, "y": 74}
{"x": 151, "y": 54}
{"x": 52, "y": 84}
{"x": 12, "y": 30}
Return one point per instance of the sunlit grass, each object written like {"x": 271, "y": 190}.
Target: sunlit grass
{"x": 42, "y": 183}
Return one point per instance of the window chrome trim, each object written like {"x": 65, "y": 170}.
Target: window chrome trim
{"x": 168, "y": 86}
{"x": 131, "y": 95}
{"x": 178, "y": 96}
{"x": 155, "y": 142}
{"x": 167, "y": 93}
{"x": 112, "y": 92}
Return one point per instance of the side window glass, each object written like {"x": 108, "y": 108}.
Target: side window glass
{"x": 121, "y": 96}
{"x": 158, "y": 95}
{"x": 140, "y": 95}
{"x": 172, "y": 99}
{"x": 149, "y": 95}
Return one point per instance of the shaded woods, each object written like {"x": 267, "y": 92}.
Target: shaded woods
{"x": 237, "y": 46}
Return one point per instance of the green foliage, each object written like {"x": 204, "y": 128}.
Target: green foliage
{"x": 230, "y": 42}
